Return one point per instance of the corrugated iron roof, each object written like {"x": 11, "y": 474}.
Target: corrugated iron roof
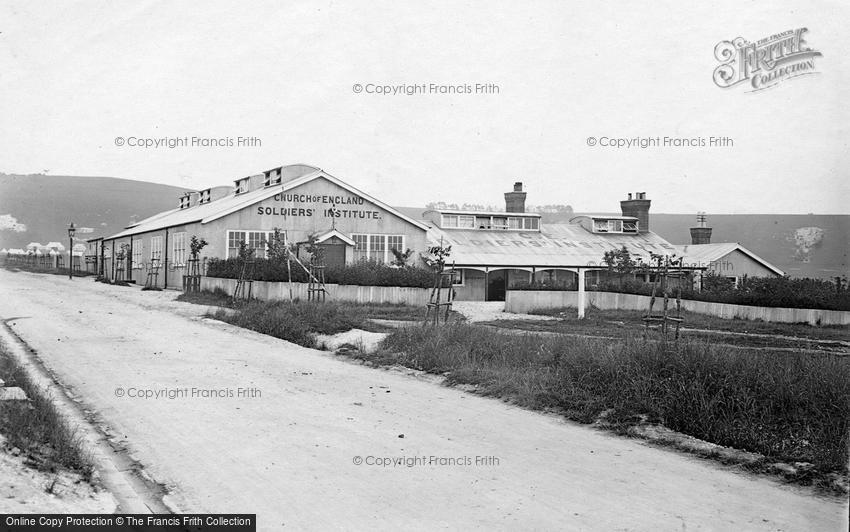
{"x": 556, "y": 245}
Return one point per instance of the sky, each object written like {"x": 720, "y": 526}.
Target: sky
{"x": 76, "y": 76}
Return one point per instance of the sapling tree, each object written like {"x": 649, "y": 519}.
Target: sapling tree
{"x": 276, "y": 248}
{"x": 400, "y": 258}
{"x": 245, "y": 251}
{"x": 196, "y": 245}
{"x": 619, "y": 261}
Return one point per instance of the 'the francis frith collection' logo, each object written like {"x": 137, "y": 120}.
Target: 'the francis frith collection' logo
{"x": 766, "y": 62}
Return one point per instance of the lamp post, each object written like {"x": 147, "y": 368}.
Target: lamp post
{"x": 71, "y": 231}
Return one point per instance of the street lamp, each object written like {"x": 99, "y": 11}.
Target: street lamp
{"x": 71, "y": 231}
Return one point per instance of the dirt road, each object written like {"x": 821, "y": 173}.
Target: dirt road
{"x": 288, "y": 449}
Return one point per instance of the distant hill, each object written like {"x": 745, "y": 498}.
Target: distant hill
{"x": 38, "y": 208}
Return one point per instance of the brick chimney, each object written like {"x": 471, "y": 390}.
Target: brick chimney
{"x": 701, "y": 234}
{"x": 637, "y": 207}
{"x": 515, "y": 200}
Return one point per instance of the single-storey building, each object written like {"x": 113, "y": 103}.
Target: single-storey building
{"x": 726, "y": 259}
{"x": 299, "y": 200}
{"x": 492, "y": 251}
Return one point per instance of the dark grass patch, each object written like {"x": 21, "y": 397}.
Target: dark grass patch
{"x": 631, "y": 319}
{"x": 787, "y": 406}
{"x": 384, "y": 311}
{"x": 299, "y": 321}
{"x": 36, "y": 427}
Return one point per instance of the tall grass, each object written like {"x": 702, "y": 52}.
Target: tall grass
{"x": 786, "y": 406}
{"x": 36, "y": 427}
{"x": 298, "y": 322}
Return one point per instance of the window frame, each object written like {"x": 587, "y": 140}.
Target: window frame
{"x": 447, "y": 217}
{"x": 270, "y": 181}
{"x": 264, "y": 241}
{"x": 461, "y": 275}
{"x": 385, "y": 237}
{"x": 600, "y": 225}
{"x": 178, "y": 254}
{"x": 136, "y": 253}
{"x": 156, "y": 246}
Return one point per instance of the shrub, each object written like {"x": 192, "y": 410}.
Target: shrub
{"x": 364, "y": 273}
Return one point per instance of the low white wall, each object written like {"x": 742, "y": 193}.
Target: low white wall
{"x": 522, "y": 301}
{"x": 270, "y": 291}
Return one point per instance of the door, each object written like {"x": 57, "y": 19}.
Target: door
{"x": 333, "y": 254}
{"x": 496, "y": 284}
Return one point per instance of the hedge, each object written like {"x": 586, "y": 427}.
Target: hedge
{"x": 755, "y": 291}
{"x": 363, "y": 273}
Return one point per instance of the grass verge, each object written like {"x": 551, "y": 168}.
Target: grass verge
{"x": 788, "y": 407}
{"x": 36, "y": 427}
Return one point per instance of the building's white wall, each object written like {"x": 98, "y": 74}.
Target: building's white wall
{"x": 738, "y": 264}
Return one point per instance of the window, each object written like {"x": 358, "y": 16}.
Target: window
{"x": 482, "y": 222}
{"x": 272, "y": 177}
{"x": 205, "y": 196}
{"x": 184, "y": 201}
{"x": 514, "y": 223}
{"x": 241, "y": 185}
{"x": 178, "y": 256}
{"x": 457, "y": 277}
{"x": 136, "y": 256}
{"x": 614, "y": 226}
{"x": 531, "y": 223}
{"x": 376, "y": 247}
{"x": 467, "y": 222}
{"x": 256, "y": 240}
{"x": 361, "y": 247}
{"x": 499, "y": 223}
{"x": 394, "y": 242}
{"x": 156, "y": 248}
{"x": 449, "y": 220}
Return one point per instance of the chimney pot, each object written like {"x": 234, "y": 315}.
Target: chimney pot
{"x": 518, "y": 186}
{"x": 637, "y": 206}
{"x": 702, "y": 233}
